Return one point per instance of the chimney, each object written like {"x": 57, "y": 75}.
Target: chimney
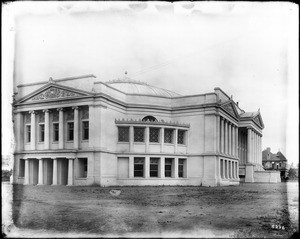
{"x": 268, "y": 153}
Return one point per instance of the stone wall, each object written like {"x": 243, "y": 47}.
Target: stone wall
{"x": 267, "y": 177}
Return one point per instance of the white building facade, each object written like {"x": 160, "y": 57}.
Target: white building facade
{"x": 81, "y": 131}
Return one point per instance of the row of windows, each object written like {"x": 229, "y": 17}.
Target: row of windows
{"x": 139, "y": 135}
{"x": 70, "y": 131}
{"x": 154, "y": 167}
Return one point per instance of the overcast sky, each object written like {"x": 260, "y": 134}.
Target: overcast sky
{"x": 250, "y": 50}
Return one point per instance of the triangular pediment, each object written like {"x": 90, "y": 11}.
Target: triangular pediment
{"x": 230, "y": 109}
{"x": 258, "y": 120}
{"x": 53, "y": 91}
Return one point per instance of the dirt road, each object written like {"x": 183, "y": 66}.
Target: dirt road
{"x": 248, "y": 210}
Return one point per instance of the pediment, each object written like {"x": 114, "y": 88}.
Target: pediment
{"x": 258, "y": 120}
{"x": 230, "y": 109}
{"x": 53, "y": 91}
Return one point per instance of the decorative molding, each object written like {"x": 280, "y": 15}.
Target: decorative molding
{"x": 46, "y": 111}
{"x": 229, "y": 109}
{"x": 60, "y": 109}
{"x": 54, "y": 93}
{"x": 32, "y": 112}
{"x": 159, "y": 122}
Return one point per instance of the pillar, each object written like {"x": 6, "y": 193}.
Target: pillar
{"x": 76, "y": 127}
{"x": 131, "y": 136}
{"x": 147, "y": 167}
{"x": 237, "y": 141}
{"x": 162, "y": 140}
{"x": 222, "y": 135}
{"x": 26, "y": 175}
{"x": 33, "y": 129}
{"x": 131, "y": 167}
{"x": 147, "y": 134}
{"x": 70, "y": 172}
{"x": 226, "y": 138}
{"x": 224, "y": 176}
{"x": 176, "y": 167}
{"x": 47, "y": 130}
{"x": 233, "y": 141}
{"x": 162, "y": 167}
{"x": 218, "y": 137}
{"x": 54, "y": 180}
{"x": 248, "y": 145}
{"x": 41, "y": 172}
{"x": 229, "y": 138}
{"x": 227, "y": 175}
{"x": 175, "y": 141}
{"x": 260, "y": 151}
{"x": 61, "y": 129}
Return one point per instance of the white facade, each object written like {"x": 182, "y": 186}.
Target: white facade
{"x": 80, "y": 131}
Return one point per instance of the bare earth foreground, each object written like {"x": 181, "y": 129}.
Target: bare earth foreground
{"x": 248, "y": 210}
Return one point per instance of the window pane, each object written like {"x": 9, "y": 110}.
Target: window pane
{"x": 42, "y": 133}
{"x": 71, "y": 131}
{"x": 123, "y": 134}
{"x": 85, "y": 133}
{"x": 139, "y": 134}
{"x": 180, "y": 139}
{"x": 168, "y": 136}
{"x": 139, "y": 167}
{"x": 168, "y": 167}
{"x": 28, "y": 133}
{"x": 56, "y": 132}
{"x": 154, "y": 135}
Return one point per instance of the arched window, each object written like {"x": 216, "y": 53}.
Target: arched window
{"x": 149, "y": 118}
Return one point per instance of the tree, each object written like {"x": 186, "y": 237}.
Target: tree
{"x": 292, "y": 173}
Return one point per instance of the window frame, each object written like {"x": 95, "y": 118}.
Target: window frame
{"x": 123, "y": 127}
{"x": 134, "y": 167}
{"x": 68, "y": 131}
{"x": 158, "y": 135}
{"x": 28, "y": 133}
{"x": 84, "y": 128}
{"x": 172, "y": 135}
{"x": 41, "y": 132}
{"x": 134, "y": 134}
{"x": 54, "y": 131}
{"x": 156, "y": 171}
{"x": 171, "y": 169}
{"x": 183, "y": 137}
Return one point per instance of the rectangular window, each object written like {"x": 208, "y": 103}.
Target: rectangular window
{"x": 181, "y": 168}
{"x": 70, "y": 131}
{"x": 123, "y": 134}
{"x": 55, "y": 132}
{"x": 154, "y": 135}
{"x": 168, "y": 167}
{"x": 85, "y": 130}
{"x": 154, "y": 167}
{"x": 42, "y": 132}
{"x": 169, "y": 136}
{"x": 139, "y": 167}
{"x": 28, "y": 133}
{"x": 180, "y": 138}
{"x": 82, "y": 167}
{"x": 139, "y": 134}
{"x": 21, "y": 168}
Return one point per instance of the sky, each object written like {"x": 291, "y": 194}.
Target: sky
{"x": 250, "y": 50}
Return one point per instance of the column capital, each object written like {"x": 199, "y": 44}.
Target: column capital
{"x": 32, "y": 112}
{"x": 46, "y": 111}
{"x": 75, "y": 108}
{"x": 60, "y": 109}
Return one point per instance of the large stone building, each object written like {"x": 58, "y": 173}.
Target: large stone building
{"x": 80, "y": 131}
{"x": 276, "y": 162}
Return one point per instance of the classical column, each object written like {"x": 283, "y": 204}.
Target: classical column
{"x": 147, "y": 167}
{"x": 61, "y": 129}
{"x": 147, "y": 134}
{"x": 237, "y": 169}
{"x": 226, "y": 137}
{"x": 54, "y": 179}
{"x": 230, "y": 169}
{"x": 227, "y": 176}
{"x": 224, "y": 176}
{"x": 162, "y": 167}
{"x": 233, "y": 141}
{"x": 47, "y": 130}
{"x": 131, "y": 167}
{"x": 175, "y": 141}
{"x": 233, "y": 169}
{"x": 76, "y": 127}
{"x": 33, "y": 128}
{"x": 218, "y": 136}
{"x": 220, "y": 167}
{"x": 249, "y": 145}
{"x": 236, "y": 142}
{"x": 70, "y": 172}
{"x": 162, "y": 139}
{"x": 41, "y": 172}
{"x": 131, "y": 136}
{"x": 229, "y": 138}
{"x": 26, "y": 175}
{"x": 222, "y": 135}
{"x": 176, "y": 167}
{"x": 260, "y": 151}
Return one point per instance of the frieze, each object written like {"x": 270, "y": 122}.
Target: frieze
{"x": 159, "y": 122}
{"x": 54, "y": 93}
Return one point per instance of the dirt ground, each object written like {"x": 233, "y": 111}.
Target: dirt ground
{"x": 248, "y": 210}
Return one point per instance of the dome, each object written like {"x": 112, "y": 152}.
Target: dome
{"x": 129, "y": 86}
